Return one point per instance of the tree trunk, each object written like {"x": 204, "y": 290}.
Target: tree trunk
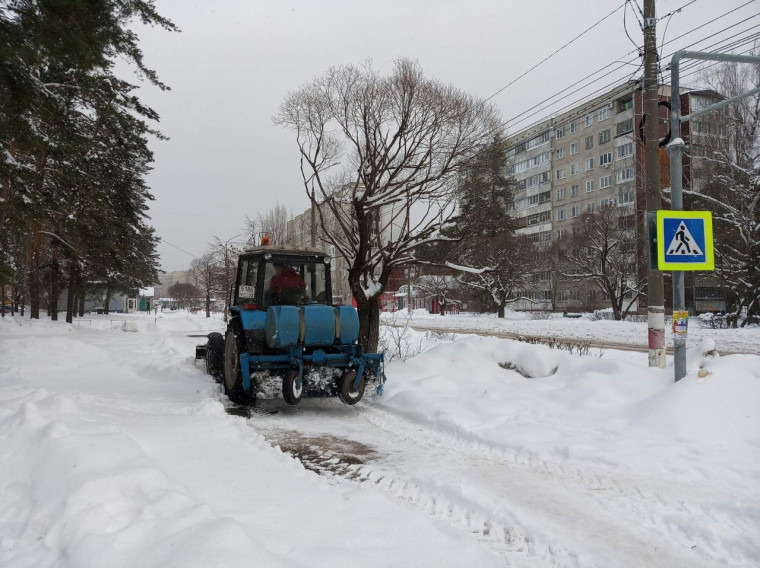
{"x": 33, "y": 271}
{"x": 369, "y": 324}
{"x": 107, "y": 300}
{"x": 5, "y": 187}
{"x": 81, "y": 294}
{"x": 208, "y": 304}
{"x": 55, "y": 282}
{"x": 442, "y": 307}
{"x": 71, "y": 292}
{"x": 501, "y": 310}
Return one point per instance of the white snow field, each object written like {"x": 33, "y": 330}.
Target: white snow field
{"x": 117, "y": 450}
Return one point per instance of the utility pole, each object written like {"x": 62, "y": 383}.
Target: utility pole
{"x": 655, "y": 291}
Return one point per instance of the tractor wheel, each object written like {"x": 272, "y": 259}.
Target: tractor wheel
{"x": 346, "y": 391}
{"x": 215, "y": 355}
{"x": 233, "y": 378}
{"x": 290, "y": 393}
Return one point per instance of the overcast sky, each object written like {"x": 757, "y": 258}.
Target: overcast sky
{"x": 236, "y": 60}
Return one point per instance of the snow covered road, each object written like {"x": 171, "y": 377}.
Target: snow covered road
{"x": 117, "y": 450}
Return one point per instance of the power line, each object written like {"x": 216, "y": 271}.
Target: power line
{"x": 163, "y": 240}
{"x": 545, "y": 59}
{"x": 563, "y": 92}
{"x": 583, "y": 106}
{"x": 542, "y": 105}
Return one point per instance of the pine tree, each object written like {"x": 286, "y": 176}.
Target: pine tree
{"x": 75, "y": 141}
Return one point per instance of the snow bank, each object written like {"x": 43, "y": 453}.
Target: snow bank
{"x": 696, "y": 441}
{"x": 116, "y": 451}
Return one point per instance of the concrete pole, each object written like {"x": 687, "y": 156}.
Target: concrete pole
{"x": 655, "y": 290}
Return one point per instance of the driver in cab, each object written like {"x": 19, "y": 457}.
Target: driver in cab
{"x": 286, "y": 287}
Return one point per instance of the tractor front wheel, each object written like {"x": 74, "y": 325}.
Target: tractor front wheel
{"x": 233, "y": 378}
{"x": 346, "y": 392}
{"x": 291, "y": 393}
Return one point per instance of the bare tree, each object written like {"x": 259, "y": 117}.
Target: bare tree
{"x": 725, "y": 151}
{"x": 185, "y": 294}
{"x": 273, "y": 224}
{"x": 225, "y": 256}
{"x": 380, "y": 157}
{"x": 499, "y": 268}
{"x": 206, "y": 270}
{"x": 602, "y": 251}
{"x": 442, "y": 287}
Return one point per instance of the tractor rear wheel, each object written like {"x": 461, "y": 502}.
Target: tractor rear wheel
{"x": 290, "y": 391}
{"x": 346, "y": 392}
{"x": 215, "y": 355}
{"x": 233, "y": 378}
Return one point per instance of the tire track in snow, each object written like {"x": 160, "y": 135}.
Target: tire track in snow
{"x": 343, "y": 460}
{"x": 512, "y": 500}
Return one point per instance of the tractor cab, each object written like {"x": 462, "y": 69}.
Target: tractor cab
{"x": 281, "y": 276}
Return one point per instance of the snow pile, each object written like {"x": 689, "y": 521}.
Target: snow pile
{"x": 689, "y": 452}
{"x": 116, "y": 450}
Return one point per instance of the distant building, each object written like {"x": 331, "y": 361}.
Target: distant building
{"x": 586, "y": 158}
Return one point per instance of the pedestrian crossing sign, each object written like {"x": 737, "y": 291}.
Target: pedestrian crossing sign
{"x": 685, "y": 240}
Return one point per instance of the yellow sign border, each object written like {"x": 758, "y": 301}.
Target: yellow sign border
{"x": 706, "y": 216}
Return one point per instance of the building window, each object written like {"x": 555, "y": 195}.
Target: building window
{"x": 560, "y": 194}
{"x": 605, "y": 182}
{"x": 561, "y": 234}
{"x": 589, "y": 119}
{"x": 573, "y": 127}
{"x": 589, "y": 142}
{"x": 574, "y": 169}
{"x": 625, "y": 150}
{"x": 575, "y": 211}
{"x": 574, "y": 191}
{"x": 626, "y": 197}
{"x": 590, "y": 185}
{"x": 627, "y": 221}
{"x": 624, "y": 127}
{"x": 561, "y": 173}
{"x": 560, "y": 132}
{"x": 604, "y": 136}
{"x": 561, "y": 153}
{"x": 604, "y": 114}
{"x": 590, "y": 207}
{"x": 623, "y": 105}
{"x": 606, "y": 203}
{"x": 605, "y": 159}
{"x": 573, "y": 148}
{"x": 560, "y": 214}
{"x": 589, "y": 164}
{"x": 625, "y": 175}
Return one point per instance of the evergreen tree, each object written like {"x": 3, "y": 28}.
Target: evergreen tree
{"x": 75, "y": 141}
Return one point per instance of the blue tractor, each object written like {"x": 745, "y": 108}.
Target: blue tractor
{"x": 284, "y": 328}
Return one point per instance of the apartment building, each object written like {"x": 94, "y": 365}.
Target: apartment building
{"x": 299, "y": 231}
{"x": 584, "y": 159}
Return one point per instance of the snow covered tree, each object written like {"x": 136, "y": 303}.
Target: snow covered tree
{"x": 726, "y": 166}
{"x": 503, "y": 274}
{"x": 185, "y": 294}
{"x": 225, "y": 255}
{"x": 70, "y": 129}
{"x": 206, "y": 270}
{"x": 442, "y": 287}
{"x": 602, "y": 252}
{"x": 481, "y": 243}
{"x": 381, "y": 156}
